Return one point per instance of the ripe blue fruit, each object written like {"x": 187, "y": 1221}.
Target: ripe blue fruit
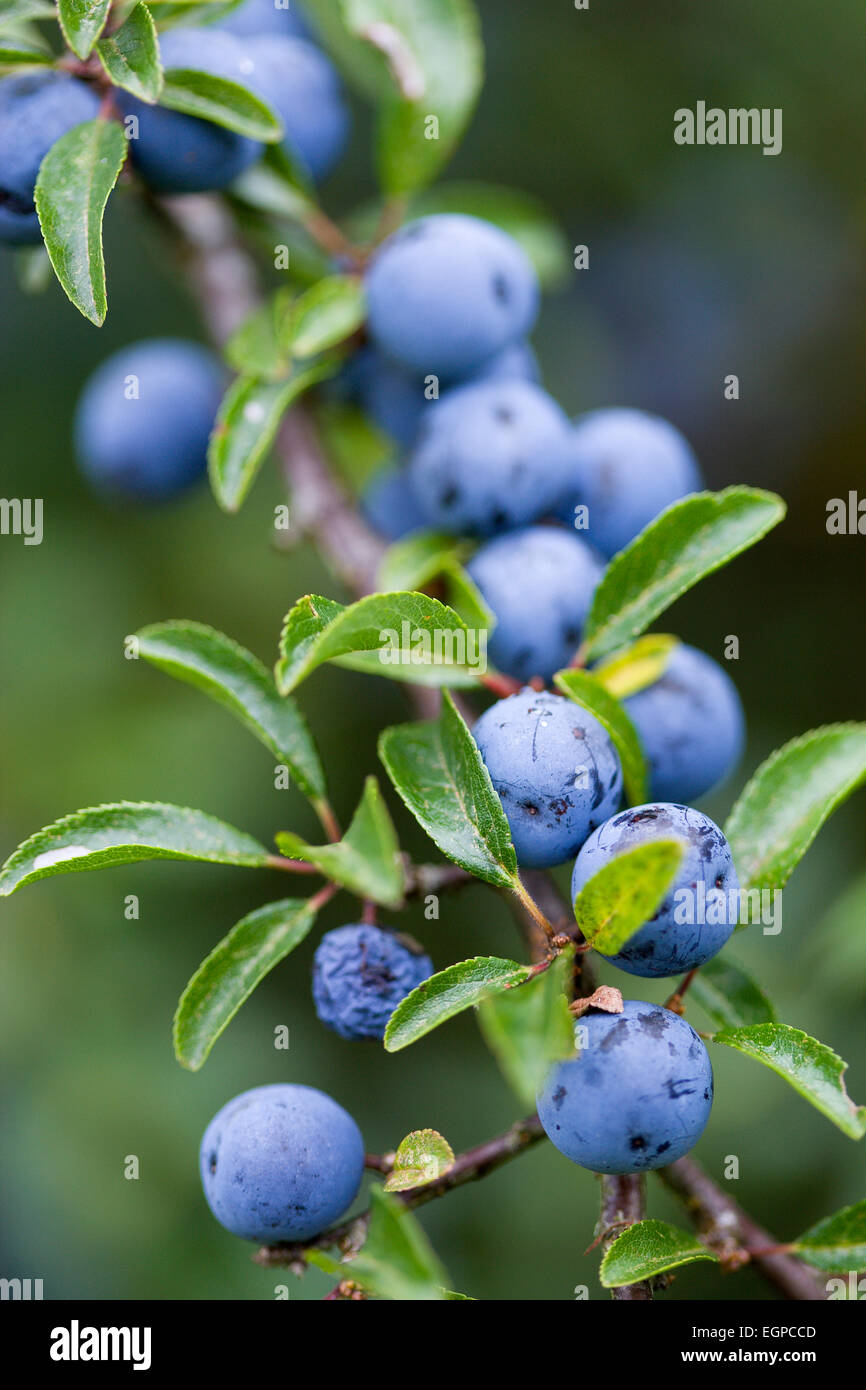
{"x": 638, "y": 1095}
{"x": 257, "y": 17}
{"x": 280, "y": 1163}
{"x": 395, "y": 398}
{"x": 175, "y": 153}
{"x": 481, "y": 461}
{"x": 447, "y": 292}
{"x": 143, "y": 420}
{"x": 36, "y": 108}
{"x": 539, "y": 584}
{"x": 360, "y": 975}
{"x": 300, "y": 84}
{"x": 554, "y": 769}
{"x": 701, "y": 908}
{"x": 691, "y": 724}
{"x": 626, "y": 466}
{"x": 390, "y": 505}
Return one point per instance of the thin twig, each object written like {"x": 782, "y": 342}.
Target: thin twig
{"x": 475, "y": 1163}
{"x": 675, "y": 1001}
{"x": 291, "y": 866}
{"x": 623, "y": 1202}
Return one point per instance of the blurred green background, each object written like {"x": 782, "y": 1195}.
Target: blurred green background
{"x": 702, "y": 262}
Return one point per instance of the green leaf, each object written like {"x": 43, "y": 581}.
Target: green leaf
{"x": 186, "y": 12}
{"x": 367, "y": 859}
{"x": 811, "y": 1068}
{"x": 246, "y": 424}
{"x": 422, "y": 1156}
{"x": 255, "y": 349}
{"x": 625, "y": 893}
{"x": 729, "y": 997}
{"x": 529, "y": 1029}
{"x": 124, "y": 833}
{"x": 130, "y": 56}
{"x": 424, "y": 556}
{"x": 438, "y": 771}
{"x": 223, "y": 102}
{"x": 227, "y": 977}
{"x": 689, "y": 540}
{"x": 75, "y": 180}
{"x": 238, "y": 681}
{"x": 783, "y": 807}
{"x": 271, "y": 190}
{"x": 397, "y": 1261}
{"x": 636, "y": 666}
{"x": 14, "y": 14}
{"x": 414, "y": 561}
{"x": 433, "y": 53}
{"x": 587, "y": 690}
{"x": 465, "y": 597}
{"x": 523, "y": 216}
{"x": 15, "y": 55}
{"x": 837, "y": 1242}
{"x": 450, "y": 992}
{"x": 318, "y": 629}
{"x": 82, "y": 21}
{"x": 324, "y": 315}
{"x": 649, "y": 1248}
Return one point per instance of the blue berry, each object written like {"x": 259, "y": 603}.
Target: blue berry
{"x": 626, "y": 466}
{"x": 281, "y": 1163}
{"x": 36, "y": 109}
{"x": 701, "y": 909}
{"x": 360, "y": 975}
{"x": 255, "y": 17}
{"x": 539, "y": 584}
{"x": 691, "y": 724}
{"x": 448, "y": 292}
{"x": 395, "y": 398}
{"x": 638, "y": 1095}
{"x": 144, "y": 417}
{"x": 390, "y": 505}
{"x": 554, "y": 769}
{"x": 175, "y": 153}
{"x": 302, "y": 86}
{"x": 481, "y": 461}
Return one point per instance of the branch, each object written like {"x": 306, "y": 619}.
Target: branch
{"x": 475, "y": 1163}
{"x": 733, "y": 1234}
{"x": 322, "y": 510}
{"x": 623, "y": 1202}
{"x": 423, "y": 879}
{"x": 222, "y": 271}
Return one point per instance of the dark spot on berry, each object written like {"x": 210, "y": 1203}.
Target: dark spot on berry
{"x": 683, "y": 1087}
{"x": 571, "y": 635}
{"x": 663, "y": 1147}
{"x": 558, "y": 1097}
{"x": 503, "y": 415}
{"x": 530, "y": 807}
{"x": 637, "y": 1142}
{"x": 212, "y": 1162}
{"x": 498, "y": 518}
{"x": 501, "y": 289}
{"x": 653, "y": 1023}
{"x": 449, "y": 496}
